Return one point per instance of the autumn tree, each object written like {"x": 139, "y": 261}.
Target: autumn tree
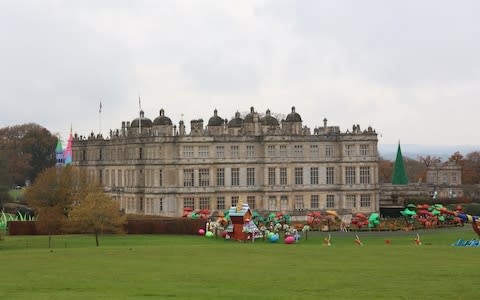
{"x": 4, "y": 180}
{"x": 471, "y": 168}
{"x": 415, "y": 169}
{"x": 29, "y": 148}
{"x": 40, "y": 144}
{"x": 456, "y": 157}
{"x": 52, "y": 195}
{"x": 429, "y": 160}
{"x": 97, "y": 213}
{"x": 385, "y": 169}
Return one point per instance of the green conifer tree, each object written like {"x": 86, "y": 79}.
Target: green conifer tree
{"x": 399, "y": 176}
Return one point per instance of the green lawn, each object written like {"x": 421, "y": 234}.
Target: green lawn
{"x": 192, "y": 267}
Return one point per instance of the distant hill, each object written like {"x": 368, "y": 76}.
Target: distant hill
{"x": 388, "y": 151}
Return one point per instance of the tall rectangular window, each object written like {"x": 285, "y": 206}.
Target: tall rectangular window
{"x": 365, "y": 200}
{"x": 271, "y": 151}
{"x": 298, "y": 151}
{"x": 314, "y": 202}
{"x": 220, "y": 203}
{"x": 299, "y": 205}
{"x": 365, "y": 175}
{"x": 298, "y": 175}
{"x": 113, "y": 181}
{"x": 330, "y": 201}
{"x": 250, "y": 176}
{"x": 160, "y": 177}
{"x": 107, "y": 177}
{"x": 203, "y": 177}
{"x": 284, "y": 202}
{"x": 188, "y": 177}
{"x": 203, "y": 151}
{"x": 235, "y": 176}
{"x": 272, "y": 203}
{"x": 329, "y": 151}
{"x": 220, "y": 177}
{"x": 283, "y": 151}
{"x": 271, "y": 176}
{"x": 314, "y": 175}
{"x": 119, "y": 178}
{"x": 234, "y": 152}
{"x": 250, "y": 151}
{"x": 364, "y": 150}
{"x": 314, "y": 151}
{"x": 187, "y": 151}
{"x": 350, "y": 201}
{"x": 148, "y": 205}
{"x": 350, "y": 175}
{"x": 251, "y": 202}
{"x": 204, "y": 203}
{"x": 148, "y": 178}
{"x": 349, "y": 150}
{"x": 330, "y": 175}
{"x": 160, "y": 204}
{"x": 234, "y": 200}
{"x": 159, "y": 152}
{"x": 189, "y": 202}
{"x": 220, "y": 152}
{"x": 100, "y": 176}
{"x": 283, "y": 176}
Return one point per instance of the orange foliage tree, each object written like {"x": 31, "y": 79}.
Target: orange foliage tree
{"x": 97, "y": 213}
{"x": 52, "y": 195}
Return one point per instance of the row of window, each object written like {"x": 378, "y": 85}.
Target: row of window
{"x": 279, "y": 203}
{"x": 156, "y": 205}
{"x": 436, "y": 177}
{"x": 149, "y": 206}
{"x": 204, "y": 177}
{"x": 277, "y": 151}
{"x": 155, "y": 177}
{"x": 298, "y": 151}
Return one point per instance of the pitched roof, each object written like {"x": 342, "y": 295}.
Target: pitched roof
{"x": 238, "y": 211}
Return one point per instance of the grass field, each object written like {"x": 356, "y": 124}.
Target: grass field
{"x": 192, "y": 267}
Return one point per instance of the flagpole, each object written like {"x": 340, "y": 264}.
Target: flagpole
{"x": 100, "y": 116}
{"x": 139, "y": 116}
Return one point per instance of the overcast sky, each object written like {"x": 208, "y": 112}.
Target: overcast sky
{"x": 410, "y": 69}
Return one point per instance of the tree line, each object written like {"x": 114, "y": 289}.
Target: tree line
{"x": 417, "y": 168}
{"x": 25, "y": 151}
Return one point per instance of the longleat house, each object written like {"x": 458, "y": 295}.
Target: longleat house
{"x": 157, "y": 168}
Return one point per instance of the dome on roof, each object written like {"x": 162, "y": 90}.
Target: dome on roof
{"x": 269, "y": 120}
{"x": 145, "y": 122}
{"x": 249, "y": 117}
{"x": 215, "y": 120}
{"x": 162, "y": 119}
{"x": 293, "y": 116}
{"x": 237, "y": 121}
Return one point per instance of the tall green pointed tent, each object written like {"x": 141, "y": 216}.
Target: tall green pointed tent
{"x": 399, "y": 176}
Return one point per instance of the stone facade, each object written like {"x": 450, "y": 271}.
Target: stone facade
{"x": 157, "y": 168}
{"x": 444, "y": 180}
{"x": 444, "y": 174}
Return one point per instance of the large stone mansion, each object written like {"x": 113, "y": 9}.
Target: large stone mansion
{"x": 157, "y": 168}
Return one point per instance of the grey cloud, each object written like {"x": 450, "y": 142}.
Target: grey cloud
{"x": 404, "y": 42}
